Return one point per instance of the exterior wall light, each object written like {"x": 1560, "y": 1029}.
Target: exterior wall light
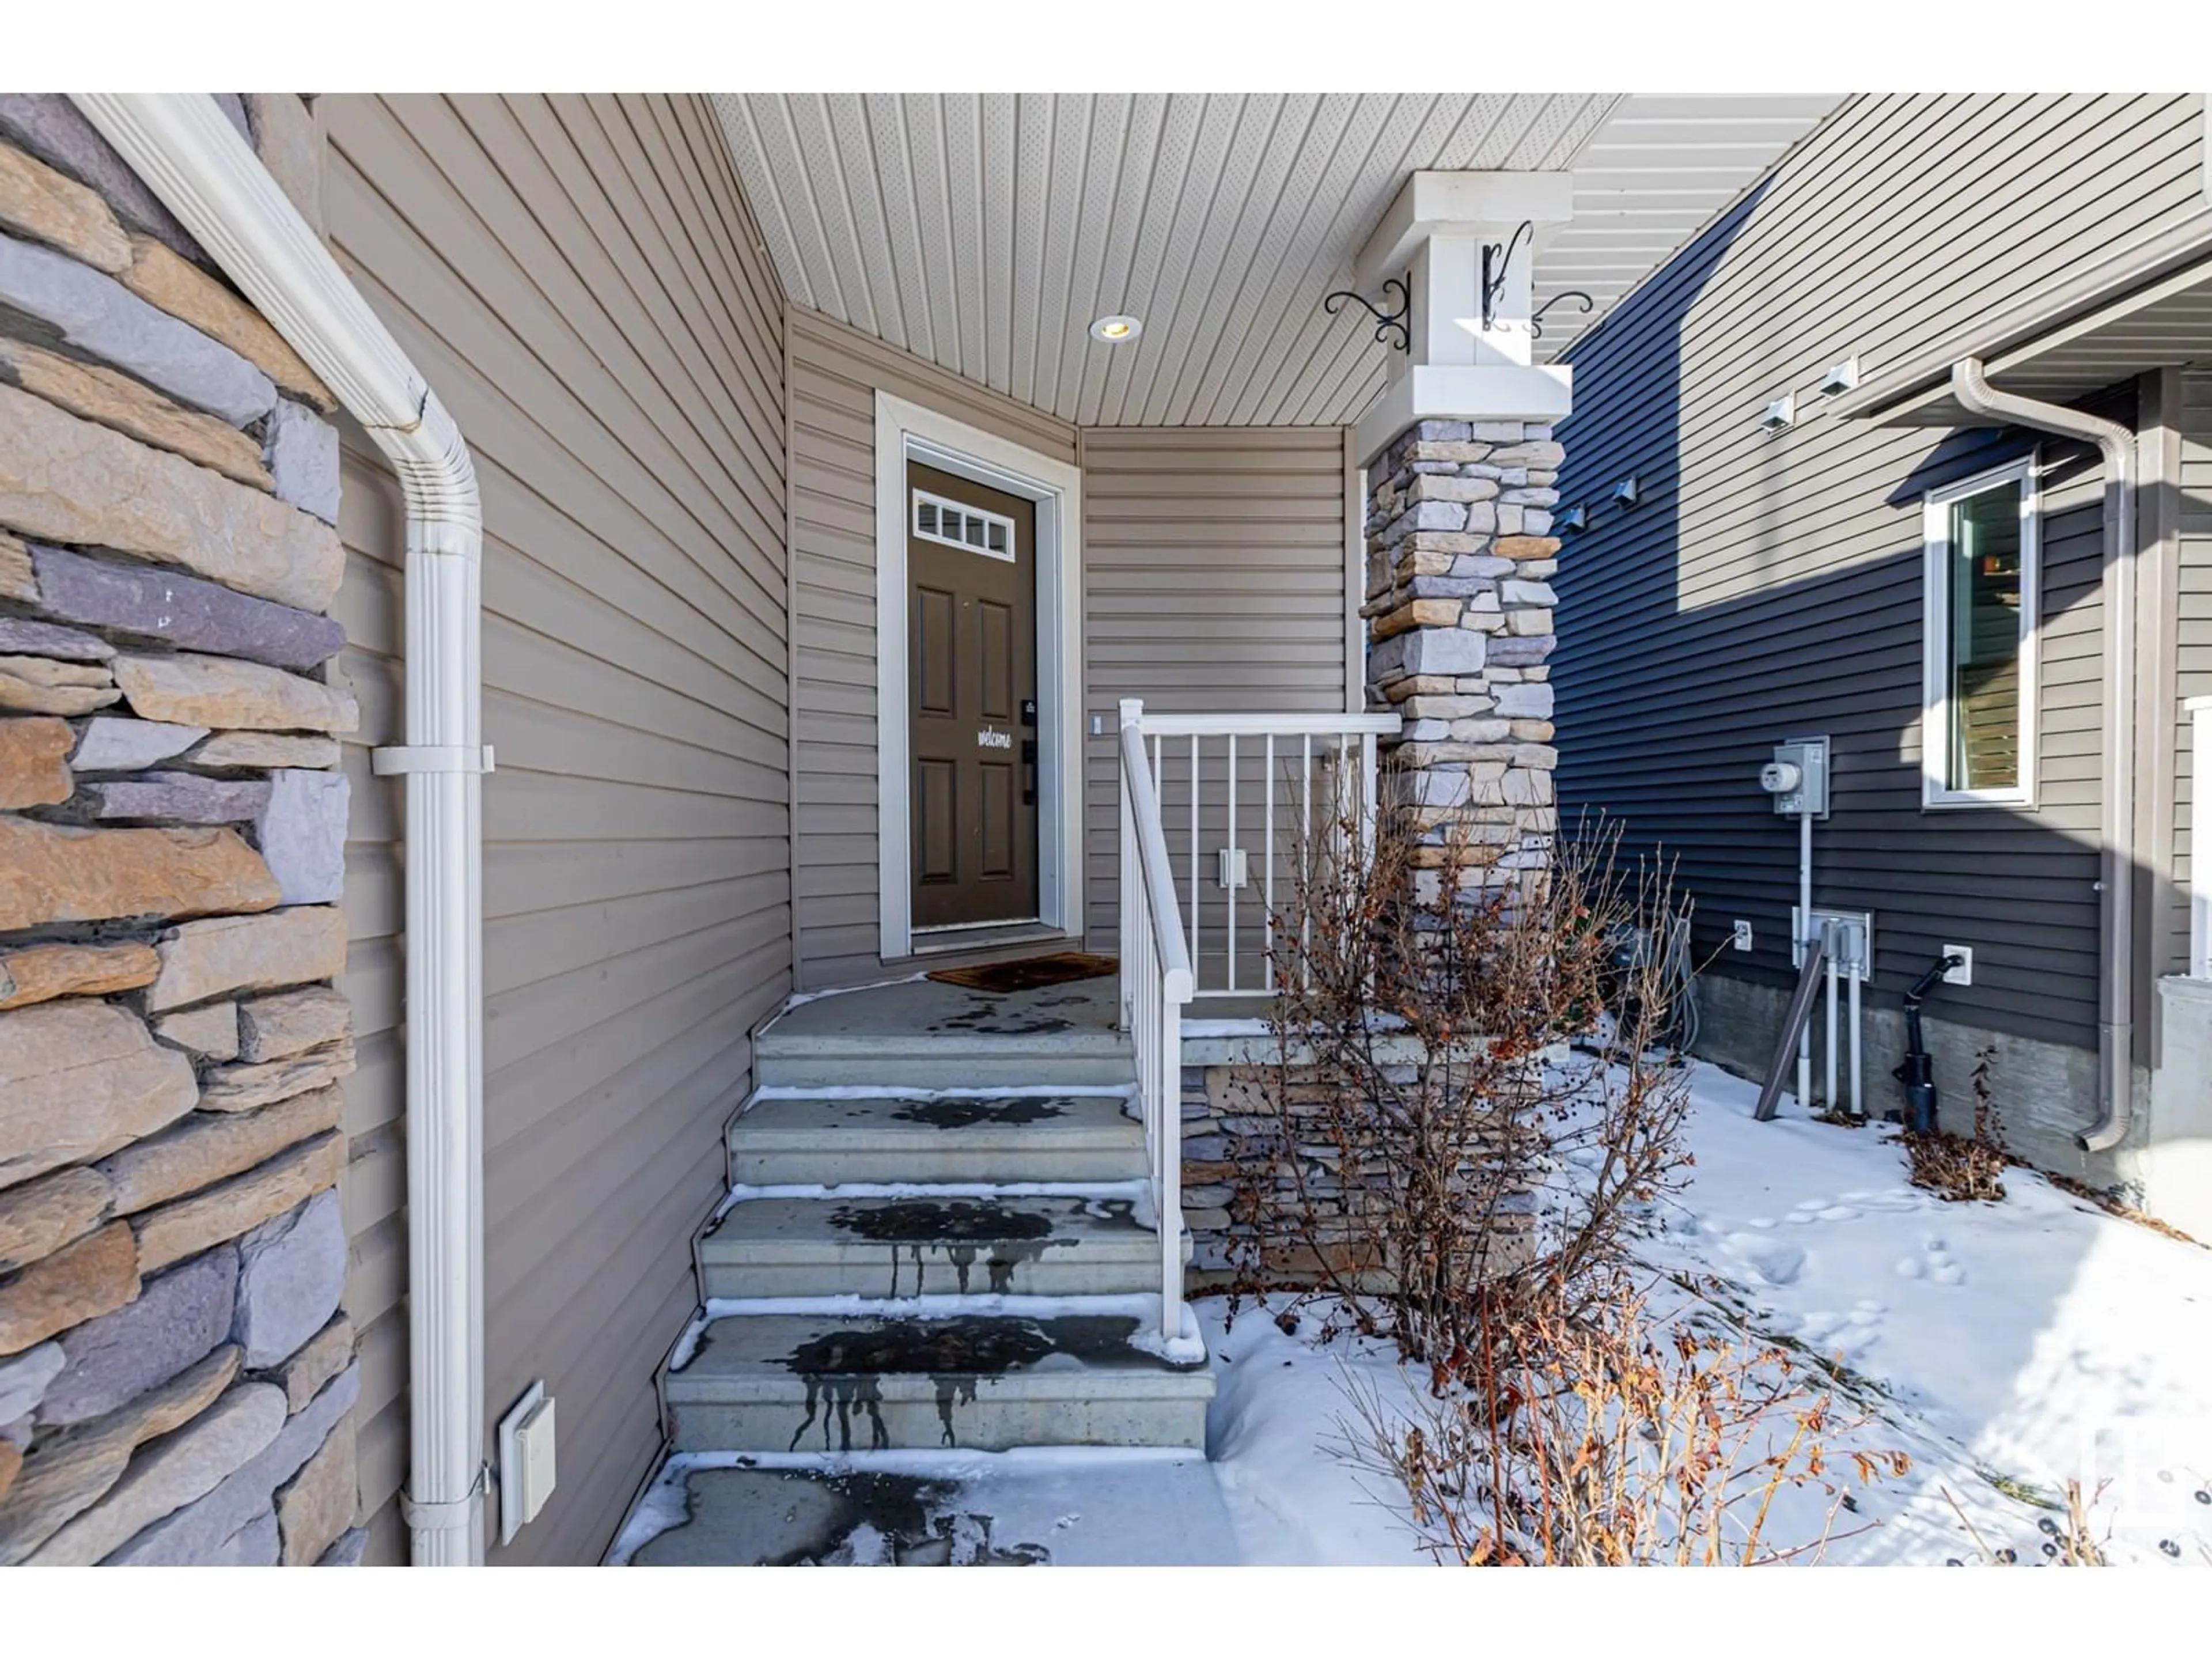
{"x": 1116, "y": 330}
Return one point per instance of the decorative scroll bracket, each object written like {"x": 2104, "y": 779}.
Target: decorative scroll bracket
{"x": 1536, "y": 317}
{"x": 1497, "y": 261}
{"x": 1386, "y": 322}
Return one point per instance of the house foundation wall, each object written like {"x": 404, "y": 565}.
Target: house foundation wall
{"x": 177, "y": 1375}
{"x": 2044, "y": 1093}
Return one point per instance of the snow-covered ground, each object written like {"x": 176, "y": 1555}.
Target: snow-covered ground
{"x": 2007, "y": 1347}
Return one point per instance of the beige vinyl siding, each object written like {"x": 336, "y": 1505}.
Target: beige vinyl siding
{"x": 1214, "y": 570}
{"x": 580, "y": 280}
{"x": 1791, "y": 561}
{"x": 836, "y": 373}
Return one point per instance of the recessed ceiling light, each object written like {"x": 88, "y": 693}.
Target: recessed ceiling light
{"x": 1116, "y": 330}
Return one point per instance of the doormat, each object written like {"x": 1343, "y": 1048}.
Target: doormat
{"x": 1031, "y": 973}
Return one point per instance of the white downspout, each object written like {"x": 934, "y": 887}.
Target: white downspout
{"x": 2115, "y": 888}
{"x": 187, "y": 151}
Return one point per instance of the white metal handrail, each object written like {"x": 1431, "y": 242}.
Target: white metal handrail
{"x": 1156, "y": 984}
{"x": 1341, "y": 747}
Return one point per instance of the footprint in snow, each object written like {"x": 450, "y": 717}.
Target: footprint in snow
{"x": 1887, "y": 1202}
{"x": 1834, "y": 1334}
{"x": 1941, "y": 1267}
{"x": 1822, "y": 1209}
{"x": 1910, "y": 1266}
{"x": 1776, "y": 1262}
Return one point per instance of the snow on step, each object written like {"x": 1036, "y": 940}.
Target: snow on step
{"x": 982, "y": 1373}
{"x": 995, "y": 1242}
{"x": 835, "y": 1137}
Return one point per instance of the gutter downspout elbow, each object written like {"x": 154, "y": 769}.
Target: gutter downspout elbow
{"x": 2115, "y": 888}
{"x": 194, "y": 160}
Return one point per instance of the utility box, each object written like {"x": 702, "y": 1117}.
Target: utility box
{"x": 1797, "y": 778}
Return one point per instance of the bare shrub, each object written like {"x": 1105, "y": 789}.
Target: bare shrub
{"x": 1469, "y": 1115}
{"x": 1606, "y": 1437}
{"x": 1963, "y": 1169}
{"x": 1425, "y": 1137}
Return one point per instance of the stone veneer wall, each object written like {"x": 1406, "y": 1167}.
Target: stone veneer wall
{"x": 176, "y": 1375}
{"x": 1459, "y": 607}
{"x": 1459, "y": 555}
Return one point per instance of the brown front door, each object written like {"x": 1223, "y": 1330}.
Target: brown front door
{"x": 971, "y": 582}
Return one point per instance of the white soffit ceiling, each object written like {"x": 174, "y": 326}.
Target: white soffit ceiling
{"x": 985, "y": 232}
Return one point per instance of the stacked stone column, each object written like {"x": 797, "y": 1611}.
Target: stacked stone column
{"x": 1460, "y": 554}
{"x": 177, "y": 1374}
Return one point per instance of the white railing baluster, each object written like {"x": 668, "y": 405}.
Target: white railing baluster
{"x": 1267, "y": 795}
{"x": 1231, "y": 844}
{"x": 1195, "y": 958}
{"x": 1305, "y": 853}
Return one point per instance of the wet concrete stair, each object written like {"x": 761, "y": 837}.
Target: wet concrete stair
{"x": 1031, "y": 1135}
{"x": 984, "y": 1382}
{"x": 955, "y": 1243}
{"x": 999, "y": 1281}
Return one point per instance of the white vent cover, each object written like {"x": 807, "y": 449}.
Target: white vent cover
{"x": 957, "y": 524}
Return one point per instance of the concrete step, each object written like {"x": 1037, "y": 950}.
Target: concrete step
{"x": 1091, "y": 1057}
{"x": 830, "y": 1139}
{"x": 983, "y": 1381}
{"x": 919, "y": 1034}
{"x": 941, "y": 1244}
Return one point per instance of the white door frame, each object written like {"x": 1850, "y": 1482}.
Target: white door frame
{"x": 907, "y": 432}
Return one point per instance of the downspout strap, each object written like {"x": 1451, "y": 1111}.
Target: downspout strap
{"x": 399, "y": 759}
{"x": 447, "y": 1514}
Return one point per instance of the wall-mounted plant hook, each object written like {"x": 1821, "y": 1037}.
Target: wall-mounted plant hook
{"x": 1386, "y": 322}
{"x": 1497, "y": 261}
{"x": 1536, "y": 319}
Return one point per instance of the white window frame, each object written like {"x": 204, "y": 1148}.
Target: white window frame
{"x": 1935, "y": 736}
{"x": 1010, "y": 554}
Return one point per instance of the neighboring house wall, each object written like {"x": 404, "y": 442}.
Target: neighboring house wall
{"x": 836, "y": 373}
{"x": 177, "y": 1382}
{"x": 1214, "y": 583}
{"x": 581, "y": 281}
{"x": 1768, "y": 584}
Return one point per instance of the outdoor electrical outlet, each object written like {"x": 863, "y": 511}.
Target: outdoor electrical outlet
{"x": 1963, "y": 973}
{"x": 1741, "y": 938}
{"x": 1233, "y": 872}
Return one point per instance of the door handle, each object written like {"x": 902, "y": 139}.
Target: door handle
{"x": 1028, "y": 780}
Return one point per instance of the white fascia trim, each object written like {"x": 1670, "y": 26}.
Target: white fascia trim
{"x": 1542, "y": 394}
{"x": 188, "y": 153}
{"x": 907, "y": 431}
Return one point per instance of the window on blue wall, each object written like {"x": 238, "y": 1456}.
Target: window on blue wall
{"x": 1978, "y": 744}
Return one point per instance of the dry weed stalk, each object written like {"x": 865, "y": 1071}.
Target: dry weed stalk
{"x": 2074, "y": 1541}
{"x": 1606, "y": 1437}
{"x": 1963, "y": 1169}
